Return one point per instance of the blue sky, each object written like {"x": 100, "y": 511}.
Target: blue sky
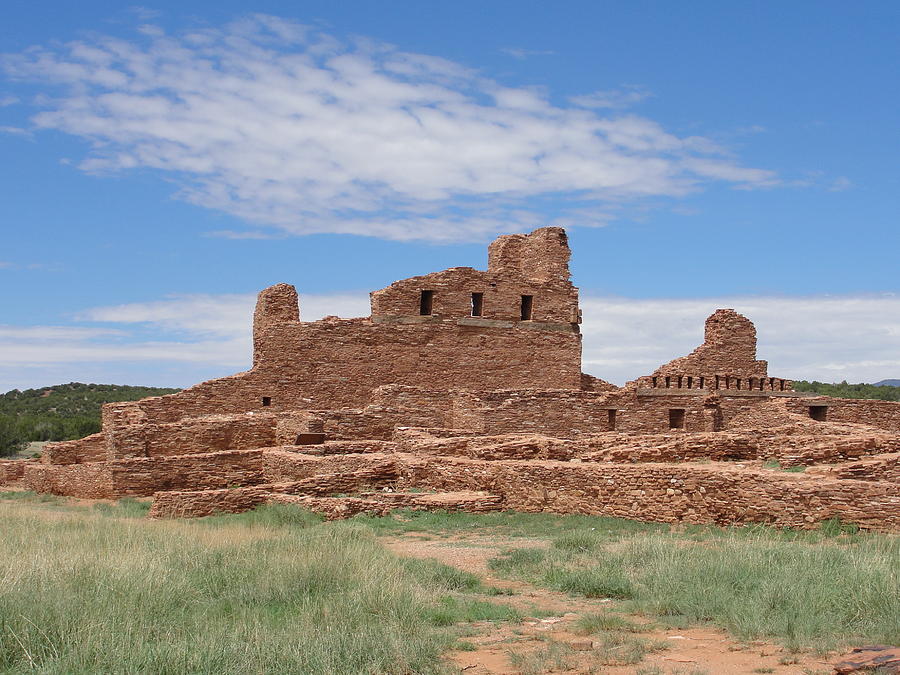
{"x": 166, "y": 162}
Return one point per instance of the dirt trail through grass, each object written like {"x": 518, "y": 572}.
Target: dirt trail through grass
{"x": 556, "y": 634}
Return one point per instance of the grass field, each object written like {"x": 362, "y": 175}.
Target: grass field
{"x": 100, "y": 589}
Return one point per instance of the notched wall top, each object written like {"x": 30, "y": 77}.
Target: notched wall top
{"x": 725, "y": 360}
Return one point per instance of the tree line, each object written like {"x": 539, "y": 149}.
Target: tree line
{"x": 845, "y": 390}
{"x": 61, "y": 412}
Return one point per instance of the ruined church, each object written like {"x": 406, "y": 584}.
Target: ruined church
{"x": 463, "y": 390}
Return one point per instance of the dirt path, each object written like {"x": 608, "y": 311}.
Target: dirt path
{"x": 548, "y": 641}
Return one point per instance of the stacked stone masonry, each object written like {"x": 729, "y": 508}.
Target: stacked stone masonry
{"x": 463, "y": 390}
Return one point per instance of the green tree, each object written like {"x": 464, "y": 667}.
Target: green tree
{"x": 10, "y": 440}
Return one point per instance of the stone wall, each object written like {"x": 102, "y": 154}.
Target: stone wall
{"x": 193, "y": 436}
{"x": 12, "y": 471}
{"x": 725, "y": 360}
{"x": 534, "y": 265}
{"x": 88, "y": 481}
{"x": 91, "y": 448}
{"x": 664, "y": 492}
{"x": 141, "y": 477}
{"x": 880, "y": 414}
{"x": 199, "y": 503}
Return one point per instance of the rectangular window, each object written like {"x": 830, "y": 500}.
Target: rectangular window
{"x": 611, "y": 420}
{"x": 676, "y": 418}
{"x": 818, "y": 412}
{"x": 527, "y": 305}
{"x": 309, "y": 438}
{"x": 266, "y": 401}
{"x": 477, "y": 304}
{"x": 426, "y": 303}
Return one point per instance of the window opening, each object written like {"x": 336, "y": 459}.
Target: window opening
{"x": 701, "y": 381}
{"x": 676, "y": 418}
{"x": 266, "y": 401}
{"x": 477, "y": 304}
{"x": 426, "y": 303}
{"x": 690, "y": 382}
{"x": 309, "y": 438}
{"x": 818, "y": 412}
{"x": 611, "y": 420}
{"x": 527, "y": 306}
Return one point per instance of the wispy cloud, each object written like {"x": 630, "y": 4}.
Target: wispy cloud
{"x": 283, "y": 126}
{"x": 840, "y": 184}
{"x": 613, "y": 98}
{"x": 8, "y": 100}
{"x": 184, "y": 339}
{"x": 15, "y": 131}
{"x": 522, "y": 54}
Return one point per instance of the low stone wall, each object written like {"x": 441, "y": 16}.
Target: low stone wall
{"x": 91, "y": 448}
{"x": 88, "y": 481}
{"x": 142, "y": 477}
{"x": 196, "y": 504}
{"x": 789, "y": 450}
{"x": 280, "y": 465}
{"x": 193, "y": 436}
{"x": 879, "y": 414}
{"x": 884, "y": 468}
{"x": 12, "y": 471}
{"x": 662, "y": 492}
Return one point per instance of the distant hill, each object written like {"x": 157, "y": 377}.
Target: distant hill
{"x": 60, "y": 412}
{"x": 844, "y": 390}
{"x": 888, "y": 383}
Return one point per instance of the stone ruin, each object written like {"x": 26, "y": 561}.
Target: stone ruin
{"x": 463, "y": 390}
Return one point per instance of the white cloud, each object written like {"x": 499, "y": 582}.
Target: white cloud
{"x": 14, "y": 131}
{"x": 829, "y": 338}
{"x": 281, "y": 126}
{"x": 840, "y": 184}
{"x": 185, "y": 339}
{"x": 612, "y": 98}
{"x": 522, "y": 54}
{"x": 8, "y": 100}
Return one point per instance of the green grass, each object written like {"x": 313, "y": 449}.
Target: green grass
{"x": 597, "y": 623}
{"x": 274, "y": 590}
{"x": 820, "y": 589}
{"x": 507, "y": 523}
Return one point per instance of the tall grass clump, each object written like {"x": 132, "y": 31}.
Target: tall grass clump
{"x": 818, "y": 590}
{"x": 270, "y": 591}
